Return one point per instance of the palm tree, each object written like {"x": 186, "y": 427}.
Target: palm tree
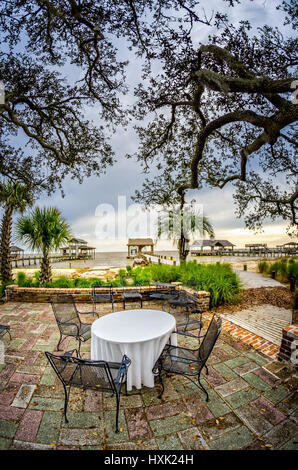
{"x": 180, "y": 223}
{"x": 15, "y": 197}
{"x": 43, "y": 230}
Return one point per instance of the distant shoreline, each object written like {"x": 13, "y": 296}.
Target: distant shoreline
{"x": 107, "y": 264}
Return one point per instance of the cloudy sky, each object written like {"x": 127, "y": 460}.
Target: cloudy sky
{"x": 92, "y": 208}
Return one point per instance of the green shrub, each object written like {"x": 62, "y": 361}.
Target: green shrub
{"x": 293, "y": 268}
{"x": 61, "y": 282}
{"x": 3, "y": 287}
{"x": 263, "y": 266}
{"x": 96, "y": 282}
{"x": 82, "y": 282}
{"x": 122, "y": 273}
{"x": 219, "y": 279}
{"x": 24, "y": 281}
{"x": 21, "y": 279}
{"x": 295, "y": 306}
{"x": 283, "y": 268}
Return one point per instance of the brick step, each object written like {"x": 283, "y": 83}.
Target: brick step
{"x": 269, "y": 328}
{"x": 259, "y": 330}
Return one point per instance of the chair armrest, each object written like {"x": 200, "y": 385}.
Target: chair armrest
{"x": 122, "y": 371}
{"x": 167, "y": 353}
{"x": 70, "y": 324}
{"x": 70, "y": 353}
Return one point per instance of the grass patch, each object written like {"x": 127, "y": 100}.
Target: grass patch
{"x": 283, "y": 268}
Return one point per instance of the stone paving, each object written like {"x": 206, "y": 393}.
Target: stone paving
{"x": 253, "y": 399}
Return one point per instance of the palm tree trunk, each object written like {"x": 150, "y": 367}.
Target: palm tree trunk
{"x": 182, "y": 241}
{"x": 45, "y": 269}
{"x": 183, "y": 252}
{"x": 6, "y": 271}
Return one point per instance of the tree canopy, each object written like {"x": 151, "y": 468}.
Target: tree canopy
{"x": 221, "y": 112}
{"x": 225, "y": 112}
{"x": 44, "y": 44}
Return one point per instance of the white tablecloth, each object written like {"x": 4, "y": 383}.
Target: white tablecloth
{"x": 141, "y": 334}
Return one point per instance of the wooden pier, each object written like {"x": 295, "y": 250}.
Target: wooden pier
{"x": 267, "y": 253}
{"x": 33, "y": 260}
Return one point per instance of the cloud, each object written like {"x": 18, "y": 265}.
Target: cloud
{"x": 81, "y": 200}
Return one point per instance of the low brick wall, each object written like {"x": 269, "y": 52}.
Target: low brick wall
{"x": 34, "y": 294}
{"x": 289, "y": 345}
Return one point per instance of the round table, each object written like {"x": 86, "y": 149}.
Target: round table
{"x": 141, "y": 334}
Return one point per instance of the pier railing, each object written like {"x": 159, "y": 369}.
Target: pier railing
{"x": 35, "y": 260}
{"x": 158, "y": 259}
{"x": 264, "y": 253}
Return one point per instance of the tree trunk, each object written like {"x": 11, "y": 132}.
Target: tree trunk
{"x": 6, "y": 271}
{"x": 183, "y": 252}
{"x": 45, "y": 270}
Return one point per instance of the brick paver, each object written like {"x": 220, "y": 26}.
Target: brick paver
{"x": 252, "y": 397}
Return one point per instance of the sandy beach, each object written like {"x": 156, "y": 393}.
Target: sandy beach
{"x": 108, "y": 264}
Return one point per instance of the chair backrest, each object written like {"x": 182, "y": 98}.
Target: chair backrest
{"x": 155, "y": 288}
{"x": 78, "y": 372}
{"x": 209, "y": 339}
{"x": 99, "y": 294}
{"x": 65, "y": 310}
{"x": 192, "y": 298}
{"x": 135, "y": 290}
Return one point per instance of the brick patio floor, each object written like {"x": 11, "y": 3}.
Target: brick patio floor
{"x": 253, "y": 398}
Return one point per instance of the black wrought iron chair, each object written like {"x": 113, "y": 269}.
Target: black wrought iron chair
{"x": 68, "y": 320}
{"x": 5, "y": 329}
{"x": 187, "y": 303}
{"x": 133, "y": 294}
{"x": 96, "y": 375}
{"x": 189, "y": 362}
{"x": 100, "y": 296}
{"x": 161, "y": 291}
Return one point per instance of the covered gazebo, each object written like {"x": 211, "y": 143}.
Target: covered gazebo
{"x": 256, "y": 246}
{"x": 78, "y": 249}
{"x": 212, "y": 244}
{"x": 16, "y": 252}
{"x": 290, "y": 247}
{"x": 136, "y": 246}
{"x": 86, "y": 252}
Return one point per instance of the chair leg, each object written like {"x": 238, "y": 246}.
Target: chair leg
{"x": 117, "y": 412}
{"x": 66, "y": 402}
{"x": 59, "y": 342}
{"x": 162, "y": 385}
{"x": 203, "y": 388}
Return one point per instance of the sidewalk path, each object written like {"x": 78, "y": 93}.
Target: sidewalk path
{"x": 261, "y": 325}
{"x": 251, "y": 280}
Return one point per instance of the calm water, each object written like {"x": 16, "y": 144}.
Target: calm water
{"x": 119, "y": 259}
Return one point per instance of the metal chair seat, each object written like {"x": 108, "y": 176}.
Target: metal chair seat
{"x": 98, "y": 296}
{"x": 189, "y": 324}
{"x": 5, "y": 329}
{"x": 157, "y": 296}
{"x": 131, "y": 295}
